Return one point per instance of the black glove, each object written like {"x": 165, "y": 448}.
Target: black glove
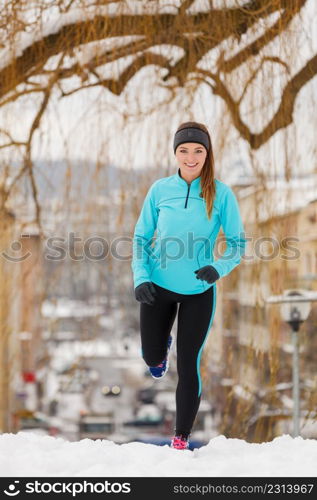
{"x": 207, "y": 273}
{"x": 145, "y": 293}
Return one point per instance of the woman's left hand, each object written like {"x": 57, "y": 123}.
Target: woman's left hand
{"x": 207, "y": 273}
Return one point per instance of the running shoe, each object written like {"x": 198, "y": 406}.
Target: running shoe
{"x": 160, "y": 370}
{"x": 180, "y": 442}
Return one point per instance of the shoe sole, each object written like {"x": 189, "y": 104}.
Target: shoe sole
{"x": 180, "y": 449}
{"x": 167, "y": 363}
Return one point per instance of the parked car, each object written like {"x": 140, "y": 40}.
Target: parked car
{"x": 37, "y": 422}
{"x": 96, "y": 425}
{"x": 147, "y": 415}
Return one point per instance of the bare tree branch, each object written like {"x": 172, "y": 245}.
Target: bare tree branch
{"x": 27, "y": 166}
{"x": 255, "y": 47}
{"x": 282, "y": 117}
{"x": 117, "y": 86}
{"x": 196, "y": 34}
{"x": 166, "y": 25}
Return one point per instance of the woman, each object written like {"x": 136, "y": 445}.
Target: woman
{"x": 186, "y": 209}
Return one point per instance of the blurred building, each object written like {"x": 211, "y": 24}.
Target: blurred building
{"x": 9, "y": 318}
{"x": 249, "y": 352}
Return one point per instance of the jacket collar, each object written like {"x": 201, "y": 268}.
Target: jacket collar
{"x": 181, "y": 181}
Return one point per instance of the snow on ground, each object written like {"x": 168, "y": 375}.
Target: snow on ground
{"x": 27, "y": 454}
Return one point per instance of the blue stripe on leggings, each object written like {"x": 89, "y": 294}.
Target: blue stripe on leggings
{"x": 201, "y": 349}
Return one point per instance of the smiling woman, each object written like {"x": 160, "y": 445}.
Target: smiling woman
{"x": 191, "y": 160}
{"x": 187, "y": 210}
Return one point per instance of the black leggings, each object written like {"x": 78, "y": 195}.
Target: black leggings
{"x": 195, "y": 316}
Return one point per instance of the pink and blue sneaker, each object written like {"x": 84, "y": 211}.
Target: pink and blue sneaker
{"x": 180, "y": 442}
{"x": 160, "y": 370}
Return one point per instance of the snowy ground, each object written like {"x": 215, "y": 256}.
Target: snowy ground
{"x": 28, "y": 454}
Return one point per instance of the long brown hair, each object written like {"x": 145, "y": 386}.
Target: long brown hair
{"x": 208, "y": 171}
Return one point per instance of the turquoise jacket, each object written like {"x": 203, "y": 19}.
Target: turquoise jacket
{"x": 185, "y": 237}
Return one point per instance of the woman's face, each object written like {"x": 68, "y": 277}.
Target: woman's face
{"x": 191, "y": 158}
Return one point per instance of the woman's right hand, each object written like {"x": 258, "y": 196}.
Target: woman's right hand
{"x": 145, "y": 293}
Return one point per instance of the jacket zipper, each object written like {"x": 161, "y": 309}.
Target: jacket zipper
{"x": 187, "y": 196}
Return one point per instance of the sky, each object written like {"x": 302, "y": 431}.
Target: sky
{"x": 285, "y": 456}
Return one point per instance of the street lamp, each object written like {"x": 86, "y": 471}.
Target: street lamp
{"x": 295, "y": 310}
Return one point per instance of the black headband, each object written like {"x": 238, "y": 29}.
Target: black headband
{"x": 191, "y": 134}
